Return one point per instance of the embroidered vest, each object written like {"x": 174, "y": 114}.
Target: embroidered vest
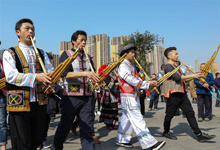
{"x": 126, "y": 88}
{"x": 18, "y": 97}
{"x": 79, "y": 86}
{"x": 171, "y": 86}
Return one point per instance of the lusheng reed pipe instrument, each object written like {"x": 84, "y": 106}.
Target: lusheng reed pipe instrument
{"x": 145, "y": 74}
{"x": 90, "y": 65}
{"x": 208, "y": 65}
{"x": 38, "y": 55}
{"x": 60, "y": 69}
{"x": 2, "y": 83}
{"x": 109, "y": 69}
{"x": 206, "y": 68}
{"x": 41, "y": 62}
{"x": 201, "y": 80}
{"x": 167, "y": 76}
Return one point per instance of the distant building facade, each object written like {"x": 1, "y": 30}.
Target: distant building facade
{"x": 98, "y": 47}
{"x": 156, "y": 57}
{"x": 64, "y": 45}
{"x": 115, "y": 46}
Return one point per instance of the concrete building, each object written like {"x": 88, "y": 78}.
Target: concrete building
{"x": 98, "y": 47}
{"x": 156, "y": 57}
{"x": 197, "y": 65}
{"x": 115, "y": 46}
{"x": 65, "y": 46}
{"x": 55, "y": 61}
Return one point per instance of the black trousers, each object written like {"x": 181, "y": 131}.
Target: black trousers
{"x": 162, "y": 98}
{"x": 180, "y": 100}
{"x": 46, "y": 127}
{"x": 76, "y": 124}
{"x": 142, "y": 105}
{"x": 83, "y": 108}
{"x": 217, "y": 101}
{"x": 27, "y": 128}
{"x": 154, "y": 99}
{"x": 204, "y": 104}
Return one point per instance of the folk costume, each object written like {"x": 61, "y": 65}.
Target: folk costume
{"x": 130, "y": 84}
{"x": 109, "y": 102}
{"x": 174, "y": 89}
{"x": 26, "y": 102}
{"x": 77, "y": 101}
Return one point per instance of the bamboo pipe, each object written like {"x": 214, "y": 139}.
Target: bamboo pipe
{"x": 90, "y": 65}
{"x": 145, "y": 74}
{"x": 38, "y": 56}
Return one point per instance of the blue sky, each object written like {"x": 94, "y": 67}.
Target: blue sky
{"x": 193, "y": 26}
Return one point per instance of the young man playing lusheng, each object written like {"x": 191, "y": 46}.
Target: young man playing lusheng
{"x": 130, "y": 84}
{"x": 175, "y": 90}
{"x": 77, "y": 97}
{"x": 25, "y": 100}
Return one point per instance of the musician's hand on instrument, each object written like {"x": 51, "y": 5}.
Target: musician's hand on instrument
{"x": 205, "y": 85}
{"x": 43, "y": 78}
{"x": 93, "y": 76}
{"x": 199, "y": 75}
{"x": 154, "y": 84}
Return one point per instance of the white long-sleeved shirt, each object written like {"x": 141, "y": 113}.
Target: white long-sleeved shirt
{"x": 125, "y": 71}
{"x": 21, "y": 79}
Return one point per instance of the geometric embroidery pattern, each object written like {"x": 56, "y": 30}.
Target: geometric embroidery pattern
{"x": 15, "y": 99}
{"x": 75, "y": 88}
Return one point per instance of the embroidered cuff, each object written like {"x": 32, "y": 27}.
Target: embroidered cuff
{"x": 145, "y": 85}
{"x": 18, "y": 79}
{"x": 30, "y": 80}
{"x": 139, "y": 84}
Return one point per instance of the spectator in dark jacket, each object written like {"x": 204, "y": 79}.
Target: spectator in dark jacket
{"x": 204, "y": 97}
{"x": 217, "y": 85}
{"x": 154, "y": 96}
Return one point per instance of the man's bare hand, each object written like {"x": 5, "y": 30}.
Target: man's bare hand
{"x": 43, "y": 78}
{"x": 154, "y": 84}
{"x": 93, "y": 76}
{"x": 199, "y": 75}
{"x": 205, "y": 85}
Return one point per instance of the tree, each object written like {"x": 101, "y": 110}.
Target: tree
{"x": 144, "y": 42}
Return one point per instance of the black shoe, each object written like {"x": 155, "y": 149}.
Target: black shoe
{"x": 124, "y": 144}
{"x": 158, "y": 145}
{"x": 204, "y": 137}
{"x": 169, "y": 135}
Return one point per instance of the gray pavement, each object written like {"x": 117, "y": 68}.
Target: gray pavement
{"x": 154, "y": 120}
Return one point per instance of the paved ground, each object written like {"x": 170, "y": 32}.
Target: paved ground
{"x": 154, "y": 120}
